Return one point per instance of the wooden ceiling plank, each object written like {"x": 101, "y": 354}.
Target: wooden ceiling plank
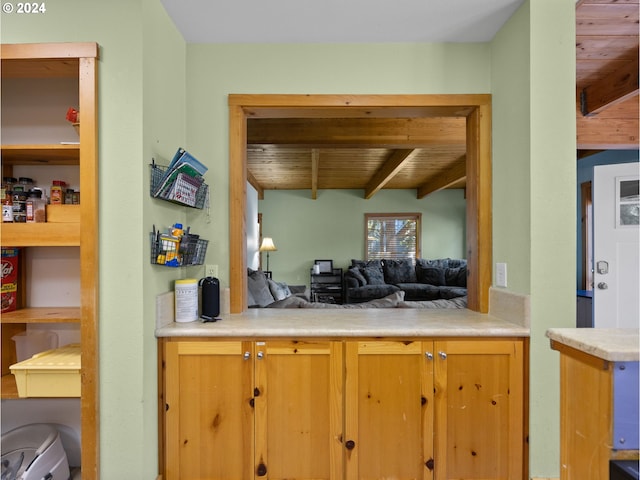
{"x": 456, "y": 173}
{"x": 611, "y": 90}
{"x": 387, "y": 171}
{"x": 255, "y": 184}
{"x": 315, "y": 163}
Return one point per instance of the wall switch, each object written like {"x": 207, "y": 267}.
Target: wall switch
{"x": 211, "y": 271}
{"x": 501, "y": 274}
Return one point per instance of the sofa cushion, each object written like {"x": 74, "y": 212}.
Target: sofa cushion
{"x": 420, "y": 291}
{"x": 399, "y": 271}
{"x": 366, "y": 263}
{"x": 373, "y": 275}
{"x": 430, "y": 275}
{"x": 452, "y": 292}
{"x": 389, "y": 301}
{"x": 259, "y": 288}
{"x": 356, "y": 274}
{"x": 438, "y": 262}
{"x": 455, "y": 262}
{"x": 455, "y": 276}
{"x": 370, "y": 292}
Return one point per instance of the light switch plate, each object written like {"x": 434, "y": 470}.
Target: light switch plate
{"x": 501, "y": 274}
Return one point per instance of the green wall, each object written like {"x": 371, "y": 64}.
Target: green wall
{"x": 533, "y": 86}
{"x": 156, "y": 94}
{"x": 332, "y": 226}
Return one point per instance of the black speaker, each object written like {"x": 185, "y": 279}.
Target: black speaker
{"x": 209, "y": 298}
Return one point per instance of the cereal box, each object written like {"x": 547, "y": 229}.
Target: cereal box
{"x": 9, "y": 278}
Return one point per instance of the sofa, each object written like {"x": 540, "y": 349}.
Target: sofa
{"x": 420, "y": 280}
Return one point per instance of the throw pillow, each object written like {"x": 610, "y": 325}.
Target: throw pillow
{"x": 399, "y": 271}
{"x": 259, "y": 288}
{"x": 456, "y": 277}
{"x": 357, "y": 274}
{"x": 373, "y": 275}
{"x": 279, "y": 290}
{"x": 430, "y": 275}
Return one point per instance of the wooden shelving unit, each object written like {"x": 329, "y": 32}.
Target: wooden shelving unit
{"x": 70, "y": 225}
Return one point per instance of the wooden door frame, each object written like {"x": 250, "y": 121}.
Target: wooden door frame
{"x": 475, "y": 107}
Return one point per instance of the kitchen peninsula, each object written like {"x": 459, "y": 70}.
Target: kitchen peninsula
{"x": 299, "y": 393}
{"x": 598, "y": 399}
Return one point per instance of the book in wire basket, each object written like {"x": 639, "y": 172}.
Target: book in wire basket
{"x": 182, "y": 185}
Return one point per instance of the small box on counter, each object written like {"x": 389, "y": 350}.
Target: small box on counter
{"x": 9, "y": 278}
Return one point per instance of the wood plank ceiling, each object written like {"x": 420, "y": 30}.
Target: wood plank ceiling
{"x": 427, "y": 153}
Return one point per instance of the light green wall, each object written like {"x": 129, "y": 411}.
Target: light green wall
{"x": 534, "y": 175}
{"x": 332, "y": 227}
{"x": 215, "y": 71}
{"x": 529, "y": 69}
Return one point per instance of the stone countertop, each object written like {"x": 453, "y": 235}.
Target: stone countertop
{"x": 612, "y": 344}
{"x": 397, "y": 322}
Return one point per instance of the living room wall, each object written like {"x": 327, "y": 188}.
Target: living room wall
{"x": 332, "y": 227}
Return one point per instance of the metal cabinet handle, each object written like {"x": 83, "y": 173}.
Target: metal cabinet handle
{"x": 442, "y": 355}
{"x": 429, "y": 355}
{"x": 260, "y": 355}
{"x": 247, "y": 355}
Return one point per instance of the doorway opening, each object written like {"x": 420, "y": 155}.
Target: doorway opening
{"x": 476, "y": 109}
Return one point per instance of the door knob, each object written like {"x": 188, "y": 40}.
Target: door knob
{"x": 443, "y": 355}
{"x": 603, "y": 286}
{"x": 247, "y": 355}
{"x": 429, "y": 355}
{"x": 260, "y": 355}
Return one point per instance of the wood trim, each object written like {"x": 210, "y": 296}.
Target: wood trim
{"x": 477, "y": 109}
{"x": 90, "y": 262}
{"x": 586, "y": 237}
{"x": 20, "y": 51}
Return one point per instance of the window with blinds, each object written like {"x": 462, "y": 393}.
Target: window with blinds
{"x": 392, "y": 235}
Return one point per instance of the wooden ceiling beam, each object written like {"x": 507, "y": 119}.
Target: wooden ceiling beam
{"x": 315, "y": 165}
{"x": 457, "y": 172}
{"x": 615, "y": 88}
{"x": 388, "y": 170}
{"x": 253, "y": 181}
{"x": 356, "y": 132}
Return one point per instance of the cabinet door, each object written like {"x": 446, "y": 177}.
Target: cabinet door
{"x": 389, "y": 410}
{"x": 479, "y": 409}
{"x": 209, "y": 414}
{"x": 298, "y": 409}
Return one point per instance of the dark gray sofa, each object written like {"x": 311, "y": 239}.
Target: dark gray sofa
{"x": 442, "y": 278}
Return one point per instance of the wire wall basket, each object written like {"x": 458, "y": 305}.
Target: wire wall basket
{"x": 177, "y": 252}
{"x": 180, "y": 188}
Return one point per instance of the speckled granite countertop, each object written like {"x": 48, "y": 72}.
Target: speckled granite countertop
{"x": 396, "y": 322}
{"x": 612, "y": 344}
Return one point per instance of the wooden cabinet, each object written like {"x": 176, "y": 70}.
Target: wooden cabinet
{"x": 237, "y": 409}
{"x": 307, "y": 409}
{"x": 598, "y": 411}
{"x": 29, "y": 143}
{"x": 434, "y": 409}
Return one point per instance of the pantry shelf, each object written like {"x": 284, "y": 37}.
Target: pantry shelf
{"x": 40, "y": 234}
{"x": 42, "y": 315}
{"x": 57, "y": 154}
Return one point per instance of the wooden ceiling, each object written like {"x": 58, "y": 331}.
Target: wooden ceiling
{"x": 427, "y": 153}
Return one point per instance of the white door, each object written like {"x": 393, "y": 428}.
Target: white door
{"x": 616, "y": 247}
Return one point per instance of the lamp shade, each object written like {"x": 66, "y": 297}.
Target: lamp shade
{"x": 267, "y": 245}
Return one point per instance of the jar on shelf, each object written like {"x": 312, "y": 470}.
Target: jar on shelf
{"x": 25, "y": 183}
{"x": 19, "y": 205}
{"x": 68, "y": 196}
{"x": 36, "y": 210}
{"x": 57, "y": 192}
{"x": 7, "y": 206}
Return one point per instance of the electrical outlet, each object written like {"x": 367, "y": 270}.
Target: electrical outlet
{"x": 501, "y": 274}
{"x": 211, "y": 271}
